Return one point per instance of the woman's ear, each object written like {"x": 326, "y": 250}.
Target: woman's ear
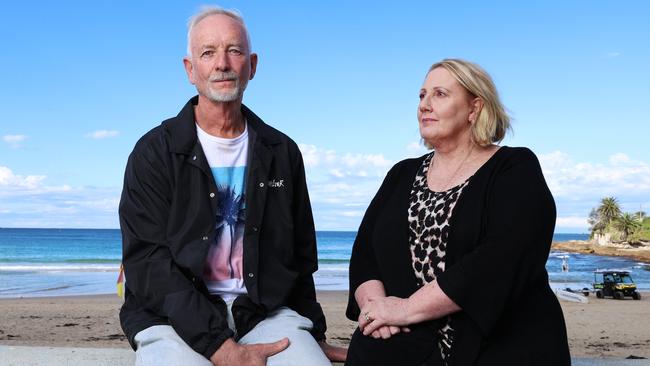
{"x": 476, "y": 107}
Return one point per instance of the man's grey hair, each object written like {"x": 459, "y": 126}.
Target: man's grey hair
{"x": 207, "y": 11}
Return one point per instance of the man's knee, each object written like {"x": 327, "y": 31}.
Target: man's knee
{"x": 160, "y": 345}
{"x": 303, "y": 348}
{"x": 285, "y": 318}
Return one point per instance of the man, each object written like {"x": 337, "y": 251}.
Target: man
{"x": 218, "y": 236}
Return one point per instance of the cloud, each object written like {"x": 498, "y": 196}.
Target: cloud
{"x": 14, "y": 138}
{"x": 103, "y": 134}
{"x": 14, "y": 141}
{"x": 619, "y": 158}
{"x": 313, "y": 156}
{"x": 416, "y": 148}
{"x": 357, "y": 213}
{"x": 341, "y": 184}
{"x": 28, "y": 201}
{"x": 621, "y": 176}
{"x": 9, "y": 180}
{"x": 341, "y": 187}
{"x": 344, "y": 165}
{"x": 572, "y": 222}
{"x": 613, "y": 54}
{"x": 105, "y": 204}
{"x": 579, "y": 186}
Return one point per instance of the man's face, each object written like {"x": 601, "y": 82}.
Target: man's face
{"x": 221, "y": 63}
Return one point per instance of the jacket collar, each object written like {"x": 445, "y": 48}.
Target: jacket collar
{"x": 182, "y": 128}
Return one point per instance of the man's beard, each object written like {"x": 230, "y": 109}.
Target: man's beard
{"x": 225, "y": 96}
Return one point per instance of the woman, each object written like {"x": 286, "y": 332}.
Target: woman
{"x": 448, "y": 267}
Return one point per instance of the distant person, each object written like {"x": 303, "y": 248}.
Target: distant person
{"x": 219, "y": 246}
{"x": 448, "y": 267}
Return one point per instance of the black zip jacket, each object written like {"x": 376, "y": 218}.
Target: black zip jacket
{"x": 168, "y": 218}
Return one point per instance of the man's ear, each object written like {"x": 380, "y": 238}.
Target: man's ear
{"x": 253, "y": 58}
{"x": 189, "y": 69}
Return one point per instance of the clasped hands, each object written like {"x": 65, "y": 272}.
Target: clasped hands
{"x": 384, "y": 316}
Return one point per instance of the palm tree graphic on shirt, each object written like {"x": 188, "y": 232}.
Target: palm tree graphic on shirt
{"x": 230, "y": 213}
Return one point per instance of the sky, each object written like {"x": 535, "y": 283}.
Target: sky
{"x": 80, "y": 82}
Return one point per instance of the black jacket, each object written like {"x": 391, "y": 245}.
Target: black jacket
{"x": 498, "y": 243}
{"x": 168, "y": 219}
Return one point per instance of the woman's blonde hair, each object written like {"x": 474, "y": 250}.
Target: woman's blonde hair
{"x": 493, "y": 121}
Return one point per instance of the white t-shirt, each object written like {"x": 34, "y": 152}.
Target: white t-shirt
{"x": 227, "y": 159}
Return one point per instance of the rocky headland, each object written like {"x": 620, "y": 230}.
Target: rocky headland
{"x": 637, "y": 251}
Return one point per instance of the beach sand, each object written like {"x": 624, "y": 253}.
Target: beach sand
{"x": 602, "y": 328}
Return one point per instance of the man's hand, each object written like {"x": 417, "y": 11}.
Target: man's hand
{"x": 232, "y": 353}
{"x": 384, "y": 315}
{"x": 334, "y": 353}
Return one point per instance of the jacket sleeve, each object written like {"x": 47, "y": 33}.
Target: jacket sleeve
{"x": 151, "y": 273}
{"x": 303, "y": 295}
{"x": 363, "y": 266}
{"x": 512, "y": 252}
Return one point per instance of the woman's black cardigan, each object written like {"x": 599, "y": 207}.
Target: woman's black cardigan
{"x": 499, "y": 240}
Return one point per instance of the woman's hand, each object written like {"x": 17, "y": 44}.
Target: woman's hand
{"x": 384, "y": 316}
{"x": 388, "y": 331}
{"x": 374, "y": 289}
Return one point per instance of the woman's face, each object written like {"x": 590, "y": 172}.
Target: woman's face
{"x": 445, "y": 109}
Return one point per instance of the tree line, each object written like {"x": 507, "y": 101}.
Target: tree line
{"x": 608, "y": 218}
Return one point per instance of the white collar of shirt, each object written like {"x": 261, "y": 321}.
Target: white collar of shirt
{"x": 222, "y": 140}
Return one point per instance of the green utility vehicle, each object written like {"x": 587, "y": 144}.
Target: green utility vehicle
{"x": 615, "y": 283}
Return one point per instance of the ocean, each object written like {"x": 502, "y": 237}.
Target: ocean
{"x": 61, "y": 262}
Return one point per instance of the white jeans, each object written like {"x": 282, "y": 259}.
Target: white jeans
{"x": 160, "y": 345}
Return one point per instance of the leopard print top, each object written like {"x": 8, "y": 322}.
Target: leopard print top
{"x": 428, "y": 215}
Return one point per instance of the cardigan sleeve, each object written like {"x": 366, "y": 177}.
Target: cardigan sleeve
{"x": 513, "y": 247}
{"x": 363, "y": 264}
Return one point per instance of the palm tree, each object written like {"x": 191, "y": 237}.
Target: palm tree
{"x": 609, "y": 210}
{"x": 229, "y": 214}
{"x": 627, "y": 223}
{"x": 595, "y": 222}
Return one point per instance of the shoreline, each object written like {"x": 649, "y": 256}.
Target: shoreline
{"x": 641, "y": 254}
{"x": 603, "y": 328}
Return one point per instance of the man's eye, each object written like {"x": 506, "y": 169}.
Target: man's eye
{"x": 421, "y": 96}
{"x": 207, "y": 53}
{"x": 235, "y": 51}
